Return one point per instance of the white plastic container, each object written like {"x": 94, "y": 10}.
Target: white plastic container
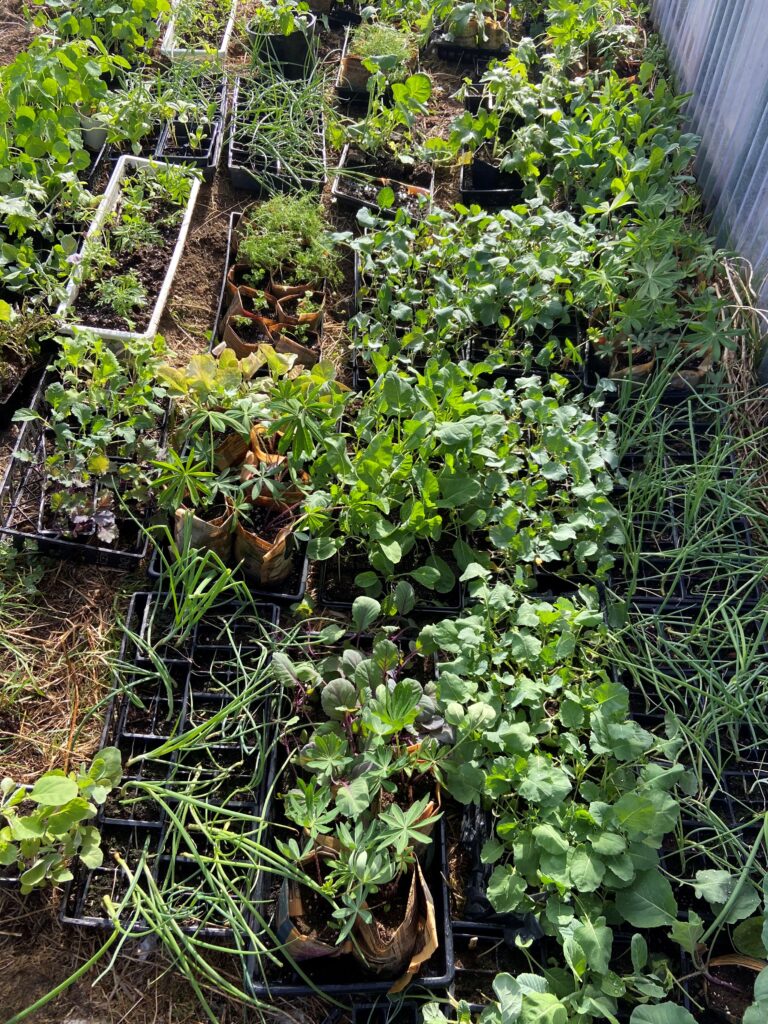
{"x": 170, "y": 50}
{"x": 94, "y": 136}
{"x": 125, "y": 165}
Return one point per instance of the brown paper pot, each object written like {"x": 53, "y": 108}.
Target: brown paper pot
{"x": 230, "y": 335}
{"x": 293, "y": 938}
{"x": 314, "y": 320}
{"x": 216, "y": 534}
{"x": 230, "y": 452}
{"x": 235, "y": 283}
{"x": 290, "y": 493}
{"x": 266, "y": 561}
{"x": 400, "y": 953}
{"x": 637, "y": 371}
{"x": 739, "y": 970}
{"x": 469, "y": 35}
{"x": 354, "y": 75}
{"x": 619, "y": 368}
{"x": 694, "y": 377}
{"x": 496, "y": 32}
{"x": 264, "y": 446}
{"x": 280, "y": 290}
{"x": 305, "y": 356}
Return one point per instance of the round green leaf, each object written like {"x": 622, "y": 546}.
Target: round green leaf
{"x": 54, "y": 790}
{"x": 663, "y": 1013}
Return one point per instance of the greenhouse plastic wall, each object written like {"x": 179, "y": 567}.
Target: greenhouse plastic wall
{"x": 719, "y": 52}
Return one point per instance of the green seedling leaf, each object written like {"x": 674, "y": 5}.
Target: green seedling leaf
{"x": 664, "y": 1013}
{"x": 54, "y": 790}
{"x": 649, "y": 903}
{"x": 386, "y": 197}
{"x": 748, "y": 938}
{"x": 339, "y": 698}
{"x": 365, "y": 611}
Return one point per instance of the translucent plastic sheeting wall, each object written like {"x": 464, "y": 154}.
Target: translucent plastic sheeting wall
{"x": 719, "y": 51}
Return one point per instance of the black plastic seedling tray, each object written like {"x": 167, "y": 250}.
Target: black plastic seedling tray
{"x": 349, "y": 200}
{"x": 82, "y": 904}
{"x": 149, "y": 619}
{"x": 26, "y": 384}
{"x": 265, "y": 177}
{"x": 342, "y": 976}
{"x": 23, "y": 498}
{"x": 495, "y": 189}
{"x": 174, "y": 147}
{"x": 245, "y": 174}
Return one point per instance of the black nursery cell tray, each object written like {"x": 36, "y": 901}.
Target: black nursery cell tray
{"x": 177, "y": 143}
{"x": 83, "y": 903}
{"x": 23, "y": 507}
{"x": 19, "y": 393}
{"x": 490, "y": 189}
{"x": 150, "y": 620}
{"x": 343, "y": 976}
{"x": 251, "y": 172}
{"x": 359, "y": 190}
{"x": 260, "y": 178}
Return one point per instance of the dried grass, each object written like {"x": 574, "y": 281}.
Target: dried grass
{"x": 53, "y": 665}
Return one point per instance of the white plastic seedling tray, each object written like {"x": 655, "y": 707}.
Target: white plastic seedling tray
{"x": 125, "y": 165}
{"x": 171, "y": 51}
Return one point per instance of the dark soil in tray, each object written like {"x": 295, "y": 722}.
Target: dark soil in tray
{"x": 148, "y": 263}
{"x": 12, "y": 368}
{"x": 123, "y": 807}
{"x": 314, "y": 924}
{"x": 368, "y": 191}
{"x": 181, "y": 147}
{"x": 459, "y": 864}
{"x": 478, "y": 961}
{"x": 727, "y": 995}
{"x": 398, "y": 177}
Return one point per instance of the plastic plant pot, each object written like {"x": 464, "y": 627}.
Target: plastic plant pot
{"x": 483, "y": 184}
{"x": 125, "y": 165}
{"x": 295, "y": 54}
{"x": 343, "y": 14}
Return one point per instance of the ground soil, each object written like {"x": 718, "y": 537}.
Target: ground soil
{"x": 16, "y": 30}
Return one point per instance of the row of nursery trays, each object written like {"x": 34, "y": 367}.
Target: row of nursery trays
{"x": 474, "y": 943}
